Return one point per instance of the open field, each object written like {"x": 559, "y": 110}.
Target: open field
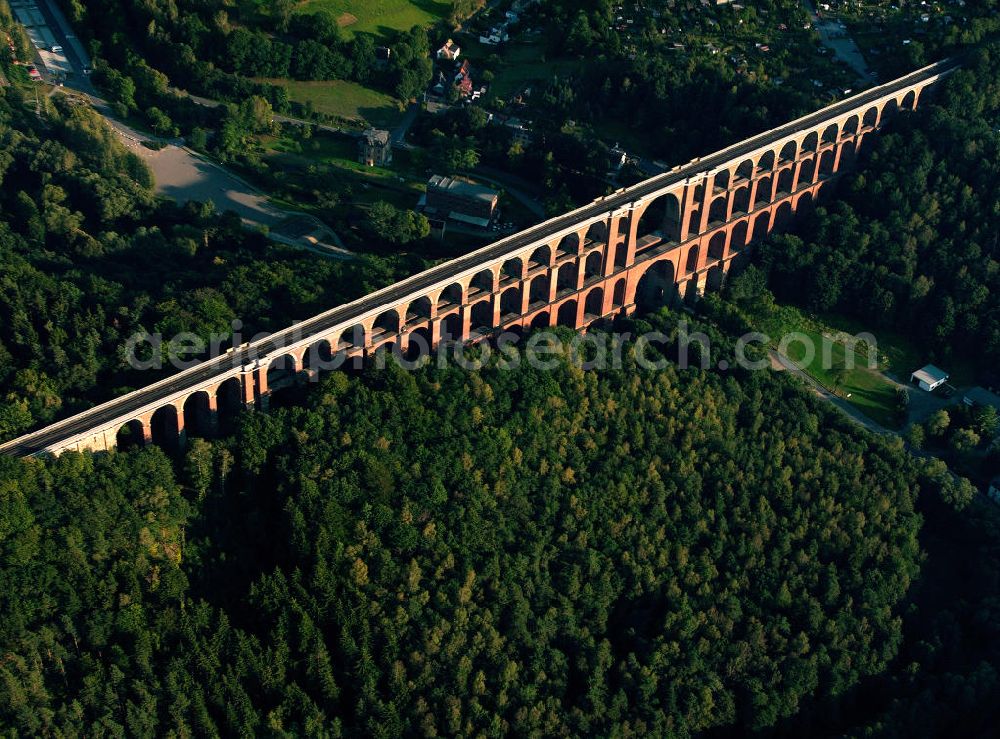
{"x": 863, "y": 387}
{"x": 336, "y": 155}
{"x": 379, "y": 16}
{"x": 521, "y": 65}
{"x": 840, "y": 365}
{"x": 343, "y": 99}
{"x": 902, "y": 356}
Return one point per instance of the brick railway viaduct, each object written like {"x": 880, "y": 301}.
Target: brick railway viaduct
{"x": 667, "y": 238}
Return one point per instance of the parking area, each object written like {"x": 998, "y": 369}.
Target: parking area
{"x": 59, "y": 54}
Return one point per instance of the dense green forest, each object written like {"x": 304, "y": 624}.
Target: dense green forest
{"x": 503, "y": 551}
{"x": 912, "y": 241}
{"x": 90, "y": 258}
{"x": 629, "y": 551}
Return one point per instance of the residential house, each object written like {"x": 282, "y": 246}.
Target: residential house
{"x": 449, "y": 52}
{"x": 375, "y": 148}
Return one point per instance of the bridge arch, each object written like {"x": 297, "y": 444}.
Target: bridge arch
{"x": 827, "y": 163}
{"x": 419, "y": 309}
{"x": 166, "y": 428}
{"x": 132, "y": 435}
{"x": 720, "y": 180}
{"x": 851, "y": 126}
{"x": 745, "y": 170}
{"x": 848, "y": 155}
{"x": 619, "y": 294}
{"x": 660, "y": 216}
{"x": 909, "y": 101}
{"x": 597, "y": 233}
{"x": 763, "y": 195}
{"x": 569, "y": 245}
{"x": 451, "y": 328}
{"x": 783, "y": 215}
{"x": 386, "y": 323}
{"x": 717, "y": 246}
{"x": 319, "y": 355}
{"x": 229, "y": 400}
{"x": 741, "y": 199}
{"x": 593, "y": 306}
{"x": 889, "y": 109}
{"x": 354, "y": 337}
{"x": 738, "y": 237}
{"x": 786, "y": 180}
{"x": 510, "y": 302}
{"x": 482, "y": 316}
{"x": 761, "y": 226}
{"x": 282, "y": 373}
{"x": 718, "y": 210}
{"x": 566, "y": 315}
{"x": 451, "y": 296}
{"x": 540, "y": 257}
{"x": 691, "y": 264}
{"x": 871, "y": 117}
{"x": 199, "y": 416}
{"x": 539, "y": 292}
{"x": 810, "y": 143}
{"x": 419, "y": 343}
{"x": 789, "y": 152}
{"x": 766, "y": 162}
{"x": 512, "y": 269}
{"x": 807, "y": 169}
{"x": 594, "y": 266}
{"x": 657, "y": 287}
{"x": 567, "y": 278}
{"x": 484, "y": 281}
{"x": 541, "y": 319}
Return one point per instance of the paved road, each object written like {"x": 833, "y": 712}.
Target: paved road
{"x": 399, "y": 133}
{"x": 405, "y": 289}
{"x": 179, "y": 172}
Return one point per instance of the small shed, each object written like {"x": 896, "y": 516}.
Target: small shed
{"x": 929, "y": 377}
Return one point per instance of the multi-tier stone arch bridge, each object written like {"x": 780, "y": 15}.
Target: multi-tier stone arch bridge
{"x": 667, "y": 238}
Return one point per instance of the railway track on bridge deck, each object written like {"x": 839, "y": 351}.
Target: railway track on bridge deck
{"x": 227, "y": 364}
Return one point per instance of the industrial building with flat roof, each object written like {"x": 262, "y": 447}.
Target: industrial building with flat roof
{"x": 460, "y": 200}
{"x": 929, "y": 377}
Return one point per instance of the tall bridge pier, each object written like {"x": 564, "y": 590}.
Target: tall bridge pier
{"x": 666, "y": 239}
